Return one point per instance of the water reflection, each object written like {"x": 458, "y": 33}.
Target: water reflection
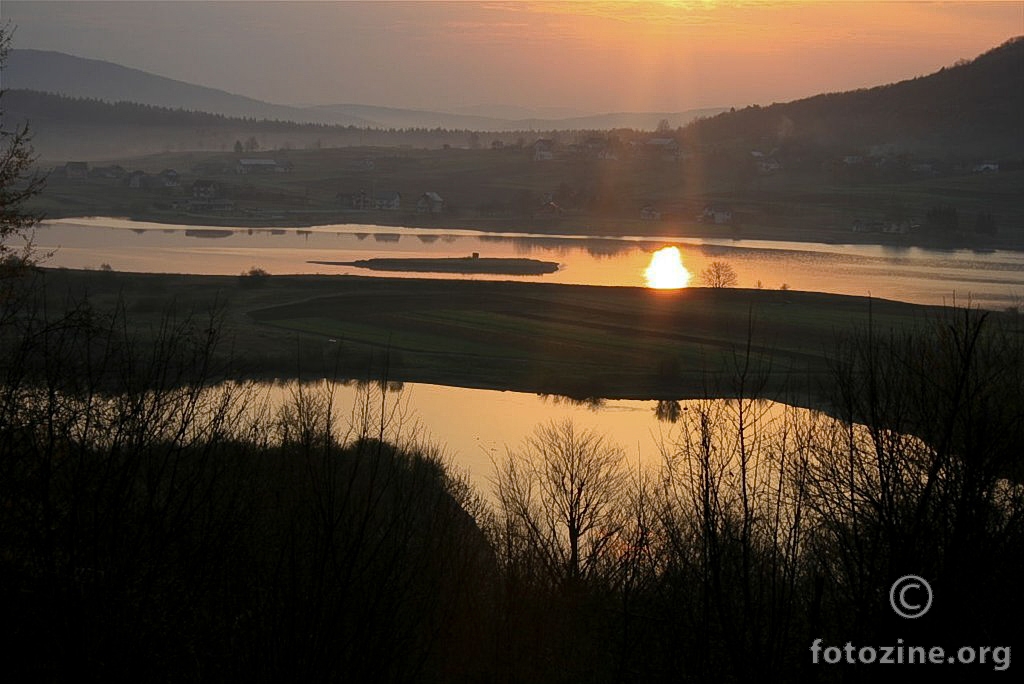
{"x": 592, "y": 403}
{"x": 475, "y": 428}
{"x": 668, "y": 410}
{"x": 912, "y": 274}
{"x": 666, "y": 270}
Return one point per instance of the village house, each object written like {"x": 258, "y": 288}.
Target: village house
{"x": 205, "y": 190}
{"x": 649, "y": 213}
{"x": 543, "y": 149}
{"x": 169, "y": 178}
{"x": 136, "y": 179}
{"x": 430, "y": 203}
{"x": 387, "y": 200}
{"x": 717, "y": 215}
{"x": 354, "y": 200}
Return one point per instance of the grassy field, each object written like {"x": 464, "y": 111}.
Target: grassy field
{"x": 570, "y": 340}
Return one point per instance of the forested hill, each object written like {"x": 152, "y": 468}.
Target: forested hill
{"x": 78, "y": 77}
{"x": 974, "y": 108}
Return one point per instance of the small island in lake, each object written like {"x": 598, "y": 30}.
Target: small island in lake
{"x": 470, "y": 264}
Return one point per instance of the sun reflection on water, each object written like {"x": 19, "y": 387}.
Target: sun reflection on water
{"x": 666, "y": 270}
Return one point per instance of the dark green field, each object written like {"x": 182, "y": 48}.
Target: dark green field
{"x": 571, "y": 340}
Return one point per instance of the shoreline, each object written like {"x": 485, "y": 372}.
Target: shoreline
{"x": 598, "y": 228}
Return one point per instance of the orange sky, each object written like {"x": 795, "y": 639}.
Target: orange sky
{"x": 583, "y": 57}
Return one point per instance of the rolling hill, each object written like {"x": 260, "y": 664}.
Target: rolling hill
{"x": 56, "y": 72}
{"x": 974, "y": 108}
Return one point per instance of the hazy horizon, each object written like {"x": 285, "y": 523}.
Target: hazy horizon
{"x": 525, "y": 59}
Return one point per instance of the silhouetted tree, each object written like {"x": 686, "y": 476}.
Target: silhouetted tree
{"x": 719, "y": 274}
{"x": 561, "y": 494}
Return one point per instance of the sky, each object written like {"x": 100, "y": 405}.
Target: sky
{"x": 548, "y": 58}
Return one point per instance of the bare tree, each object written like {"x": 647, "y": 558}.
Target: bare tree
{"x": 560, "y": 499}
{"x": 18, "y": 182}
{"x": 719, "y": 274}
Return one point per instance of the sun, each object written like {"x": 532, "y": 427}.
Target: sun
{"x": 666, "y": 270}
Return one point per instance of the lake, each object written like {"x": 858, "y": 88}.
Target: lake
{"x": 475, "y": 427}
{"x": 990, "y": 279}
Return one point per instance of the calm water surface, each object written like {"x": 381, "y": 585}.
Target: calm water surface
{"x": 993, "y": 279}
{"x": 476, "y": 427}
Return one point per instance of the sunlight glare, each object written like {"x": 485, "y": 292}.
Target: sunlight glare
{"x": 666, "y": 270}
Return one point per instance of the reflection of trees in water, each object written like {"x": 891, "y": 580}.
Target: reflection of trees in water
{"x": 594, "y": 247}
{"x": 600, "y": 248}
{"x": 592, "y": 403}
{"x": 208, "y": 233}
{"x": 668, "y": 410}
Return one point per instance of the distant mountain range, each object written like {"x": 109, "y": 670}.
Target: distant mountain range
{"x": 56, "y": 72}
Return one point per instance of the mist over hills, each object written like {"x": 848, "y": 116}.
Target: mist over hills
{"x": 56, "y": 72}
{"x": 389, "y": 117}
{"x": 77, "y": 77}
{"x": 975, "y": 108}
